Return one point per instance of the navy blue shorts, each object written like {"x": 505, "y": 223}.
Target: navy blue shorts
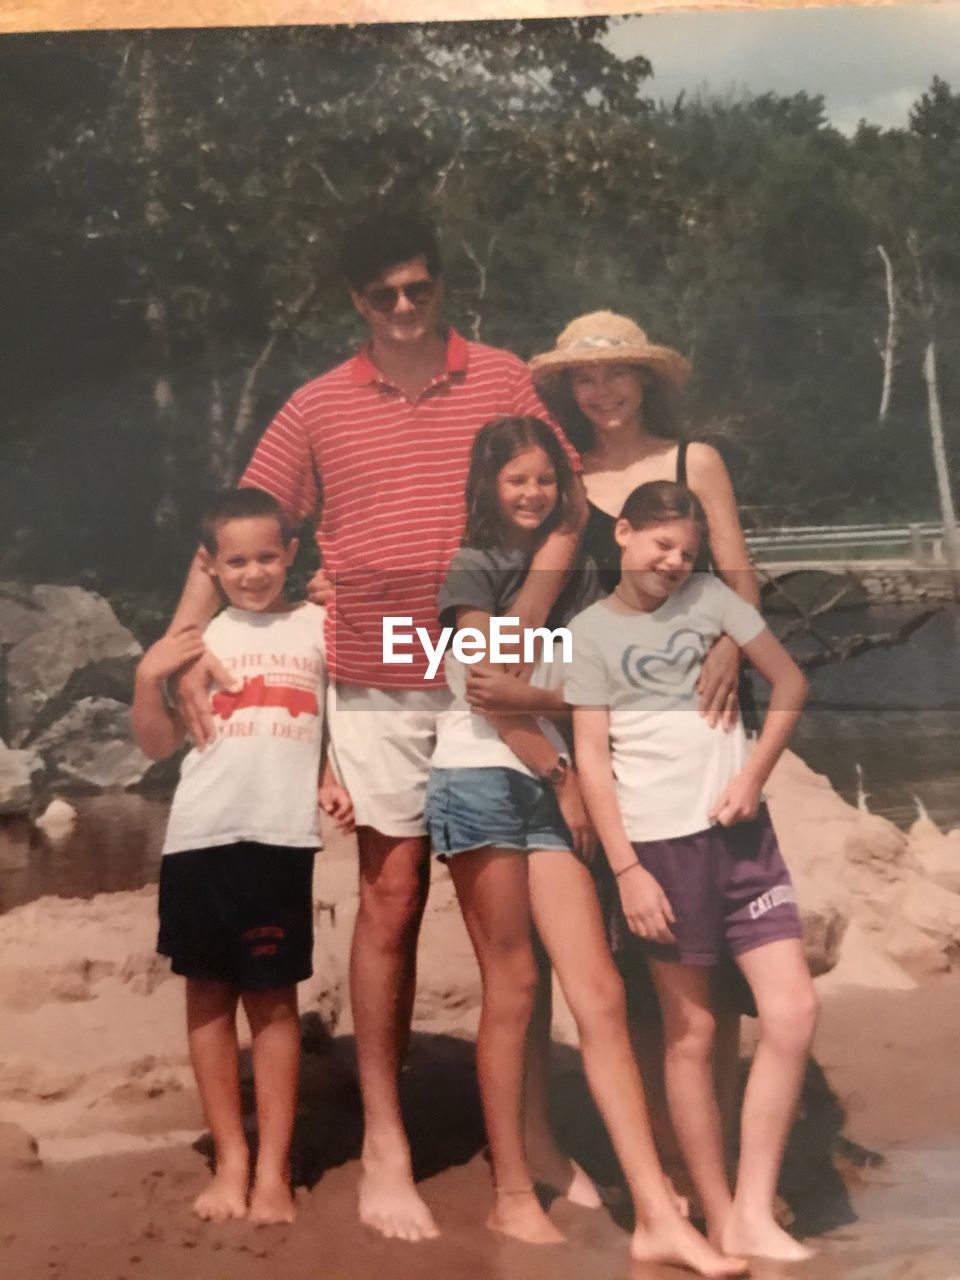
{"x": 238, "y": 913}
{"x": 492, "y": 808}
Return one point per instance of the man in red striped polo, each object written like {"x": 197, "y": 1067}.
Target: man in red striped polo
{"x": 375, "y": 454}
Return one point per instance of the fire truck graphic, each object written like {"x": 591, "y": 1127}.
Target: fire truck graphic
{"x": 268, "y": 691}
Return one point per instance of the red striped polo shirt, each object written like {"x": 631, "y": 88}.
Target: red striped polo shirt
{"x": 384, "y": 477}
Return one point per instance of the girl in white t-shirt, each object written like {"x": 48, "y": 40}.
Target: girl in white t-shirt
{"x": 677, "y": 807}
{"x": 504, "y": 811}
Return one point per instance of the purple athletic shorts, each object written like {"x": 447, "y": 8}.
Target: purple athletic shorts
{"x": 729, "y": 888}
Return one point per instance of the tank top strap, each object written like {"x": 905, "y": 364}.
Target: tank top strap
{"x": 682, "y": 462}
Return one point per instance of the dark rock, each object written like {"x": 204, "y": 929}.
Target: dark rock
{"x": 92, "y": 747}
{"x": 18, "y": 771}
{"x": 48, "y": 634}
{"x": 107, "y": 678}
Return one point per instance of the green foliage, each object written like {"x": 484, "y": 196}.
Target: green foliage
{"x": 175, "y": 198}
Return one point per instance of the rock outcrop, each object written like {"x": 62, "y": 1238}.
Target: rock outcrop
{"x": 91, "y": 747}
{"x": 937, "y": 856}
{"x": 67, "y": 680}
{"x": 18, "y": 772}
{"x": 50, "y": 633}
{"x": 852, "y": 865}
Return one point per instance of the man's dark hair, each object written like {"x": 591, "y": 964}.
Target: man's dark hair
{"x": 383, "y": 240}
{"x": 240, "y": 504}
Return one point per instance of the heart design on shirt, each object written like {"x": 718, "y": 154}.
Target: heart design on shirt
{"x": 672, "y": 670}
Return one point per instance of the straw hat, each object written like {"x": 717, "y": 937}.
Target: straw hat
{"x": 605, "y": 338}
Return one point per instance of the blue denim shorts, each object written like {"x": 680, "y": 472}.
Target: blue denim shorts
{"x": 492, "y": 807}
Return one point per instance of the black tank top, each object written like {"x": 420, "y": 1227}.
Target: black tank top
{"x": 600, "y": 545}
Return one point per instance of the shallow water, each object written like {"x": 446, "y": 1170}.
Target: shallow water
{"x": 893, "y": 712}
{"x": 907, "y": 1225}
{"x": 114, "y": 845}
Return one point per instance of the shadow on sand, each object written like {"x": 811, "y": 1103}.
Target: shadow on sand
{"x": 443, "y": 1117}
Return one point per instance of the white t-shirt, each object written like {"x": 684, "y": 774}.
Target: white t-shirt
{"x": 258, "y": 780}
{"x": 669, "y": 765}
{"x": 490, "y": 579}
{"x": 467, "y": 740}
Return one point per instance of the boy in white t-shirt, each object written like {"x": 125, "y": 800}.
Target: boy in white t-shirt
{"x": 677, "y": 806}
{"x": 236, "y": 909}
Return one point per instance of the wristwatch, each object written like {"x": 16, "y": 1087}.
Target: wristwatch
{"x": 556, "y": 775}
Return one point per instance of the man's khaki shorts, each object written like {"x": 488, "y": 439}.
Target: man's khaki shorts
{"x": 381, "y": 743}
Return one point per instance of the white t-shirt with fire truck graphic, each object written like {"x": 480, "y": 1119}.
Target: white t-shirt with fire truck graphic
{"x": 258, "y": 780}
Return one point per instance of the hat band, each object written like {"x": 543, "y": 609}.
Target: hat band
{"x": 597, "y": 344}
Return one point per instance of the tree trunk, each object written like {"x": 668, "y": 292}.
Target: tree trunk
{"x": 219, "y": 440}
{"x": 890, "y": 345}
{"x": 948, "y": 513}
{"x": 156, "y": 316}
{"x": 951, "y": 539}
{"x": 246, "y": 404}
{"x": 482, "y": 266}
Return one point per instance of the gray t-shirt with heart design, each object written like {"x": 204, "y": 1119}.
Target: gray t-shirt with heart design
{"x": 669, "y": 765}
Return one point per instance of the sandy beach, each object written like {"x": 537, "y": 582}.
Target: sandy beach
{"x": 102, "y": 1145}
{"x": 888, "y": 1057}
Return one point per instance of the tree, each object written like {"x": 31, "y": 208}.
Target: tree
{"x": 176, "y": 200}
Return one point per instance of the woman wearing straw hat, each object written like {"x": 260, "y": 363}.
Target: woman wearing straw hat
{"x": 616, "y": 394}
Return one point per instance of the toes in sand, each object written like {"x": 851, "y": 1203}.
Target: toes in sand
{"x": 565, "y": 1175}
{"x": 391, "y": 1204}
{"x": 555, "y": 1170}
{"x": 675, "y": 1241}
{"x": 764, "y": 1239}
{"x": 272, "y": 1202}
{"x": 522, "y": 1218}
{"x": 579, "y": 1188}
{"x": 225, "y": 1197}
{"x": 680, "y": 1202}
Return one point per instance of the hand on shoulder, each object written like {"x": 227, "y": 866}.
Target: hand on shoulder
{"x": 320, "y": 588}
{"x": 171, "y": 653}
{"x": 192, "y": 696}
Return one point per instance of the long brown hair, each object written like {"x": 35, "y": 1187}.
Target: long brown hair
{"x": 494, "y": 445}
{"x": 661, "y": 411}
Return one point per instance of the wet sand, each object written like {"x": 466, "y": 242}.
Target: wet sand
{"x": 884, "y": 1080}
{"x": 891, "y": 1060}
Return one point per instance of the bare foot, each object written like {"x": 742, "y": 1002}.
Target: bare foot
{"x": 763, "y": 1238}
{"x": 272, "y": 1202}
{"x": 680, "y": 1202}
{"x": 783, "y": 1214}
{"x": 674, "y": 1240}
{"x": 565, "y": 1176}
{"x": 521, "y": 1217}
{"x": 388, "y": 1201}
{"x": 580, "y": 1189}
{"x": 226, "y": 1196}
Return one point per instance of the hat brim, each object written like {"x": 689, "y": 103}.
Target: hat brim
{"x": 664, "y": 362}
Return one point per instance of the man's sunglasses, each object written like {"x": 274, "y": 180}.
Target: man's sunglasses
{"x": 384, "y": 297}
